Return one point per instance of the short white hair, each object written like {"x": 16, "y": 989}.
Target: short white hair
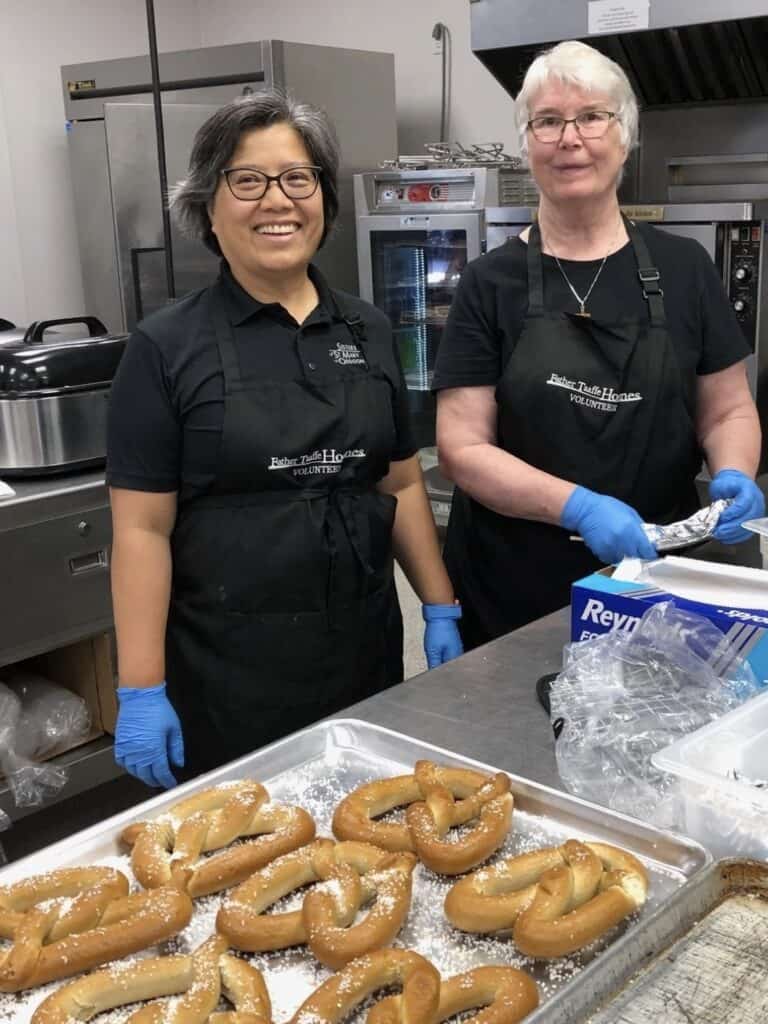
{"x": 583, "y": 66}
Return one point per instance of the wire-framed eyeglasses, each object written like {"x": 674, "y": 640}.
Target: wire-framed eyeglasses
{"x": 591, "y": 124}
{"x": 248, "y": 183}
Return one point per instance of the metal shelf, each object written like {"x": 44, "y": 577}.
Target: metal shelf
{"x": 88, "y": 766}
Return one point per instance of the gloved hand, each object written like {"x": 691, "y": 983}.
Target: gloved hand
{"x": 611, "y": 529}
{"x": 748, "y": 503}
{"x": 148, "y": 735}
{"x": 442, "y": 641}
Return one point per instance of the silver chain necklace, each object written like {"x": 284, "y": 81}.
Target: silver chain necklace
{"x": 581, "y": 301}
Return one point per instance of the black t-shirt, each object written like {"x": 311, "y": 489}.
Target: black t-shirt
{"x": 167, "y": 401}
{"x": 492, "y": 299}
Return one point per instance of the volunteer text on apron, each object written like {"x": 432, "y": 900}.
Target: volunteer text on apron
{"x": 283, "y": 606}
{"x": 601, "y": 404}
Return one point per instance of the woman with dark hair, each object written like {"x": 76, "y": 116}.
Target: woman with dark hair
{"x": 262, "y": 470}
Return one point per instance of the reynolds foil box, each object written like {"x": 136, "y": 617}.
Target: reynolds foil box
{"x": 600, "y": 603}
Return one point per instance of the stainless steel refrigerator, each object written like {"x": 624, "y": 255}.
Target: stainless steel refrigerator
{"x": 113, "y": 154}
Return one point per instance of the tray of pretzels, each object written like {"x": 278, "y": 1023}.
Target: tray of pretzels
{"x": 346, "y": 873}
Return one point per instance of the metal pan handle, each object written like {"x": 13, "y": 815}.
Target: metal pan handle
{"x": 34, "y": 333}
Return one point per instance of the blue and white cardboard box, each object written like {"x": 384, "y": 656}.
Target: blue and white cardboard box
{"x": 600, "y": 603}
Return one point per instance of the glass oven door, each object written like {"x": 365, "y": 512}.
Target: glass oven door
{"x": 409, "y": 268}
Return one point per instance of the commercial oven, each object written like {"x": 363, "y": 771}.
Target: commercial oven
{"x": 416, "y": 231}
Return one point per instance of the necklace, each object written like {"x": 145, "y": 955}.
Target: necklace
{"x": 582, "y": 301}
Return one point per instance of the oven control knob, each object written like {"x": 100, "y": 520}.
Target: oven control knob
{"x": 742, "y": 274}
{"x": 740, "y": 306}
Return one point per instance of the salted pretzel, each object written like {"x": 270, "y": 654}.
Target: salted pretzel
{"x": 342, "y": 992}
{"x": 437, "y": 798}
{"x": 198, "y": 979}
{"x": 168, "y": 850}
{"x": 555, "y": 900}
{"x": 502, "y": 995}
{"x": 350, "y": 875}
{"x": 73, "y": 919}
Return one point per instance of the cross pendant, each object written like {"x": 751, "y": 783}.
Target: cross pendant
{"x": 584, "y": 313}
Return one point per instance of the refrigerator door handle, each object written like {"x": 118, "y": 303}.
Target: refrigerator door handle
{"x": 136, "y": 252}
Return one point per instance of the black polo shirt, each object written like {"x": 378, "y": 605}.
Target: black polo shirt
{"x": 491, "y": 304}
{"x": 166, "y": 407}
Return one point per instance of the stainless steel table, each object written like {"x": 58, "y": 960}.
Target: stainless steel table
{"x": 484, "y": 704}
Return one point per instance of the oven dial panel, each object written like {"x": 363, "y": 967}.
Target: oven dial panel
{"x": 744, "y": 245}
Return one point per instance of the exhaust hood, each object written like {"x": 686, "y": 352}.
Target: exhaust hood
{"x": 674, "y": 51}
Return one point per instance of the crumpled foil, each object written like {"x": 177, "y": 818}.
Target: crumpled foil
{"x": 700, "y": 526}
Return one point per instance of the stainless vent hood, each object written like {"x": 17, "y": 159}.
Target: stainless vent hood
{"x": 692, "y": 51}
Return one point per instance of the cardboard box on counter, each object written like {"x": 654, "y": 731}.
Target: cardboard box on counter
{"x": 735, "y": 599}
{"x": 86, "y": 668}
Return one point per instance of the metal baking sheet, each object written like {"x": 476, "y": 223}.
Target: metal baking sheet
{"x": 707, "y": 948}
{"x": 316, "y": 768}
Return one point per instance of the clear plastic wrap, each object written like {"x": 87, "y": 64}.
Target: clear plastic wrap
{"x": 37, "y": 717}
{"x": 622, "y": 696}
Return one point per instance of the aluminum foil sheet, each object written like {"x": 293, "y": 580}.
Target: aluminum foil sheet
{"x": 698, "y": 527}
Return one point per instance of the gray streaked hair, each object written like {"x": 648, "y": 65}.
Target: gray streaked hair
{"x": 578, "y": 64}
{"x": 217, "y": 139}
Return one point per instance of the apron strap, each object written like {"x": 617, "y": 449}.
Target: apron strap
{"x": 650, "y": 278}
{"x": 535, "y": 272}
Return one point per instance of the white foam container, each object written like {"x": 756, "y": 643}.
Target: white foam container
{"x": 728, "y": 816}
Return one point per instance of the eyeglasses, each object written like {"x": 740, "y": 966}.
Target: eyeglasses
{"x": 295, "y": 183}
{"x": 592, "y": 124}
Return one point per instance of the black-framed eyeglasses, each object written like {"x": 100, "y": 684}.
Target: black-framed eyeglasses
{"x": 249, "y": 183}
{"x": 592, "y": 124}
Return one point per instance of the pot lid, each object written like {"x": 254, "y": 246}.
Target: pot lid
{"x": 41, "y": 358}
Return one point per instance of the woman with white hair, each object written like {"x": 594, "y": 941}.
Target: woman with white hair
{"x": 587, "y": 368}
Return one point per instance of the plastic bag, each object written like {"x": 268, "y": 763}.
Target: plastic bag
{"x": 622, "y": 696}
{"x": 52, "y": 717}
{"x": 37, "y": 718}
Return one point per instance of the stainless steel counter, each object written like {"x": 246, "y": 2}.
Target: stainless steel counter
{"x": 483, "y": 705}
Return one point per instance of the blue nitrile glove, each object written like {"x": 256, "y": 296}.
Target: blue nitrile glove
{"x": 442, "y": 641}
{"x": 148, "y": 735}
{"x": 747, "y": 503}
{"x": 611, "y": 529}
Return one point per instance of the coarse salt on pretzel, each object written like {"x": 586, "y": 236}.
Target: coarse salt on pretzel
{"x": 81, "y": 918}
{"x": 342, "y": 992}
{"x": 502, "y": 995}
{"x": 351, "y": 875}
{"x": 438, "y": 798}
{"x": 197, "y": 979}
{"x": 168, "y": 850}
{"x": 555, "y": 901}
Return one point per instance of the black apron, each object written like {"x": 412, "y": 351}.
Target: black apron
{"x": 283, "y": 607}
{"x": 601, "y": 404}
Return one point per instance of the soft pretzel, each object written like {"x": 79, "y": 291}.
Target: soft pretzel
{"x": 343, "y": 991}
{"x": 350, "y": 873}
{"x": 198, "y": 979}
{"x": 52, "y": 940}
{"x": 438, "y": 798}
{"x": 167, "y": 851}
{"x": 555, "y": 900}
{"x": 502, "y": 995}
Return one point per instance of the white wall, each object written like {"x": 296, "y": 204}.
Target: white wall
{"x": 39, "y": 261}
{"x": 482, "y": 110}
